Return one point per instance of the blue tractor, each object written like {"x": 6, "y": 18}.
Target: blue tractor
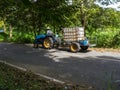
{"x": 47, "y": 41}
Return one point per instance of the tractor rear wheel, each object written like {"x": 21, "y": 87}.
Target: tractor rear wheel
{"x": 74, "y": 47}
{"x": 48, "y": 43}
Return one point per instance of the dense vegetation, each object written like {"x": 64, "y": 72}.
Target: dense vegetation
{"x": 22, "y": 20}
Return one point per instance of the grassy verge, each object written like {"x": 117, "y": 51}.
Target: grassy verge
{"x": 14, "y": 79}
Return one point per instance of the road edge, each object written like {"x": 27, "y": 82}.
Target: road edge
{"x": 41, "y": 75}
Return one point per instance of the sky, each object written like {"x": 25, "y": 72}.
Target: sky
{"x": 112, "y": 4}
{"x": 115, "y": 4}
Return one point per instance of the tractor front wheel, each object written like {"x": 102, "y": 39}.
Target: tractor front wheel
{"x": 48, "y": 43}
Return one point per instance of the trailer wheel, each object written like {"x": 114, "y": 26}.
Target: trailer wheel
{"x": 74, "y": 47}
{"x": 48, "y": 43}
{"x": 84, "y": 47}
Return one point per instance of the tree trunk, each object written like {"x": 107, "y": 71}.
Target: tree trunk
{"x": 10, "y": 28}
{"x": 4, "y": 28}
{"x": 82, "y": 17}
{"x": 83, "y": 21}
{"x": 35, "y": 33}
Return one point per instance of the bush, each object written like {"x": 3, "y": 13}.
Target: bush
{"x": 107, "y": 38}
{"x": 4, "y": 36}
{"x": 23, "y": 38}
{"x": 116, "y": 40}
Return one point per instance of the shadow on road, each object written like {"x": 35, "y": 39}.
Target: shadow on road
{"x": 68, "y": 50}
{"x": 108, "y": 57}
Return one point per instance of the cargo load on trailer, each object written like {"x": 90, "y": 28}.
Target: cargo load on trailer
{"x": 73, "y": 34}
{"x": 75, "y": 39}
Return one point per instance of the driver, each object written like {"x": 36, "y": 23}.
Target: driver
{"x": 49, "y": 31}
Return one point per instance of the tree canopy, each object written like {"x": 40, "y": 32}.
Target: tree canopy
{"x": 36, "y": 15}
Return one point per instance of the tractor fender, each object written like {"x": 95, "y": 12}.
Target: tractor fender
{"x": 40, "y": 36}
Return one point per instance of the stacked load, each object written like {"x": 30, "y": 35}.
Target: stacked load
{"x": 73, "y": 34}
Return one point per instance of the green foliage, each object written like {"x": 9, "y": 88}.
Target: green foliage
{"x": 23, "y": 38}
{"x": 17, "y": 38}
{"x": 1, "y": 24}
{"x": 108, "y": 38}
{"x": 116, "y": 40}
{"x": 31, "y": 17}
{"x": 4, "y": 36}
{"x": 85, "y": 10}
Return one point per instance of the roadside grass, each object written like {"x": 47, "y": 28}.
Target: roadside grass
{"x": 15, "y": 79}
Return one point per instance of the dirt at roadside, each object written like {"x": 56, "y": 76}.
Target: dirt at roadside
{"x": 106, "y": 49}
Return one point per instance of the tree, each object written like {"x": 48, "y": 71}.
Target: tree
{"x": 84, "y": 10}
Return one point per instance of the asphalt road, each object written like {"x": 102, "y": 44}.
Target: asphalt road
{"x": 98, "y": 69}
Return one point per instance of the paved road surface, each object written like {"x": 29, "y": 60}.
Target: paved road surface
{"x": 99, "y": 69}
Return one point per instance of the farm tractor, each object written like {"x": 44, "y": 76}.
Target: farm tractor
{"x": 72, "y": 38}
{"x": 47, "y": 41}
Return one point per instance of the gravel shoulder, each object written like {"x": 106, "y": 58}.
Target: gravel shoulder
{"x": 106, "y": 50}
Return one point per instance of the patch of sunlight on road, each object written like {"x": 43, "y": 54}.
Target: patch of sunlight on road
{"x": 57, "y": 55}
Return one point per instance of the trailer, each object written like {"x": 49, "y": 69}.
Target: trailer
{"x": 75, "y": 39}
{"x": 71, "y": 37}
